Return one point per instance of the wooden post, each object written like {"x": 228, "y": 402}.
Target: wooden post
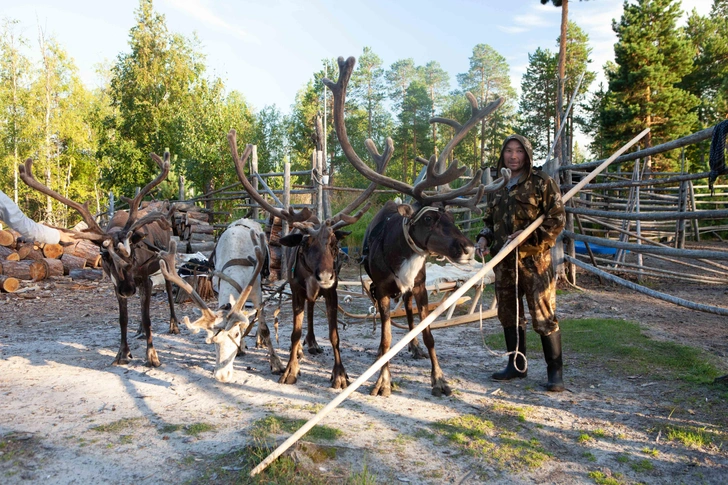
{"x": 694, "y": 223}
{"x": 449, "y": 301}
{"x": 319, "y": 186}
{"x": 638, "y": 223}
{"x": 286, "y": 204}
{"x": 181, "y": 187}
{"x": 254, "y": 178}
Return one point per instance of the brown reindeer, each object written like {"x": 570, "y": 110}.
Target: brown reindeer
{"x": 401, "y": 237}
{"x": 130, "y": 247}
{"x": 312, "y": 252}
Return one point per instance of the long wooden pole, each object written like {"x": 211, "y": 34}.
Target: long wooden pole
{"x": 497, "y": 258}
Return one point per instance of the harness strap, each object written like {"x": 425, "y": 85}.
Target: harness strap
{"x": 407, "y": 223}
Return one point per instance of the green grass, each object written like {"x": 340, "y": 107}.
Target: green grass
{"x": 481, "y": 439}
{"x": 621, "y": 346}
{"x": 693, "y": 437}
{"x": 196, "y": 429}
{"x": 169, "y": 428}
{"x": 279, "y": 424}
{"x": 602, "y": 479}
{"x": 119, "y": 426}
{"x": 642, "y": 466}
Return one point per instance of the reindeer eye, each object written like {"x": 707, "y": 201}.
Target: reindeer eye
{"x": 428, "y": 219}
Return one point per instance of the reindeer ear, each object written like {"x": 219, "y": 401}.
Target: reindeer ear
{"x": 291, "y": 240}
{"x": 405, "y": 210}
{"x": 341, "y": 234}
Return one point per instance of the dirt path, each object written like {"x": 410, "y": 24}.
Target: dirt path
{"x": 67, "y": 416}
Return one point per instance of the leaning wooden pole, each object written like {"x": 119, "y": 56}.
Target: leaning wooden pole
{"x": 454, "y": 297}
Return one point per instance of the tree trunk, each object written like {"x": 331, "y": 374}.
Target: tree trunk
{"x": 87, "y": 250}
{"x": 562, "y": 74}
{"x": 17, "y": 269}
{"x": 45, "y": 268}
{"x": 8, "y": 284}
{"x": 71, "y": 262}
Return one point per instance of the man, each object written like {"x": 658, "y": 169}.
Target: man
{"x": 529, "y": 194}
{"x": 13, "y": 217}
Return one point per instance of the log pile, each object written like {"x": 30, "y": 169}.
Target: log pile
{"x": 21, "y": 259}
{"x": 273, "y": 230}
{"x": 193, "y": 228}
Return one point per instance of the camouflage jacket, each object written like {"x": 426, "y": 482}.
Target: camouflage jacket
{"x": 513, "y": 210}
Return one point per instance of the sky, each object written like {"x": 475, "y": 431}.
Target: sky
{"x": 269, "y": 49}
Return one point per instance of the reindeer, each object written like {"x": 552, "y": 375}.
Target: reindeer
{"x": 226, "y": 327}
{"x": 130, "y": 247}
{"x": 399, "y": 239}
{"x": 312, "y": 253}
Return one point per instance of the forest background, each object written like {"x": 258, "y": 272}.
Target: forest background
{"x": 158, "y": 94}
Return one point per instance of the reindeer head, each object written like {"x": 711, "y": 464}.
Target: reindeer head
{"x": 428, "y": 227}
{"x": 224, "y": 327}
{"x": 128, "y": 245}
{"x": 315, "y": 242}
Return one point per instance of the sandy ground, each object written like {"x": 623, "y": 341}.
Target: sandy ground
{"x": 57, "y": 388}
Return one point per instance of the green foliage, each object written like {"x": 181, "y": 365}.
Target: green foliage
{"x": 120, "y": 425}
{"x": 652, "y": 56}
{"x": 278, "y": 424}
{"x": 692, "y": 436}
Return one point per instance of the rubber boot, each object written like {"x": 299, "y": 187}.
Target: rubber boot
{"x": 514, "y": 336}
{"x": 554, "y": 362}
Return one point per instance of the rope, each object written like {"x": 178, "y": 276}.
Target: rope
{"x": 518, "y": 322}
{"x": 717, "y": 154}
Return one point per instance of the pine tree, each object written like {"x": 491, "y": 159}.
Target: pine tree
{"x": 538, "y": 100}
{"x": 652, "y": 56}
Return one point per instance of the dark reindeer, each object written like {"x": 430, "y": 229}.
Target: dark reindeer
{"x": 401, "y": 237}
{"x": 130, "y": 248}
{"x": 312, "y": 251}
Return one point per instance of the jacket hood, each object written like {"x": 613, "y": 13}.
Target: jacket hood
{"x": 526, "y": 146}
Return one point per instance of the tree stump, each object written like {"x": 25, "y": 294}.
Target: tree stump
{"x": 8, "y": 284}
{"x": 87, "y": 250}
{"x": 45, "y": 268}
{"x": 17, "y": 269}
{"x": 9, "y": 254}
{"x": 71, "y": 262}
{"x": 86, "y": 274}
{"x": 52, "y": 251}
{"x": 7, "y": 238}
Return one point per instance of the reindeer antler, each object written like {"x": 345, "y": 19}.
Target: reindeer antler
{"x": 94, "y": 231}
{"x": 433, "y": 178}
{"x": 291, "y": 216}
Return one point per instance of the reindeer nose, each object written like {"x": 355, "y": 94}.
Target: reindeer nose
{"x": 468, "y": 250}
{"x": 325, "y": 278}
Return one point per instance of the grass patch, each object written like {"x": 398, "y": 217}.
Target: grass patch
{"x": 584, "y": 438}
{"x": 278, "y": 424}
{"x": 633, "y": 352}
{"x": 480, "y": 438}
{"x": 196, "y": 429}
{"x": 652, "y": 452}
{"x": 601, "y": 478}
{"x": 691, "y": 436}
{"x": 642, "y": 466}
{"x": 119, "y": 426}
{"x": 589, "y": 456}
{"x": 169, "y": 428}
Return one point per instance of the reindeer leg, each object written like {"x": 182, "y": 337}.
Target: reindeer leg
{"x": 123, "y": 357}
{"x": 139, "y": 334}
{"x": 173, "y": 322}
{"x": 290, "y": 375}
{"x": 276, "y": 366}
{"x": 313, "y": 346}
{"x": 439, "y": 384}
{"x": 145, "y": 295}
{"x": 339, "y": 378}
{"x": 383, "y": 387}
{"x": 414, "y": 345}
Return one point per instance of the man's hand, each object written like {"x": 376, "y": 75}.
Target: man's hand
{"x": 66, "y": 239}
{"x": 481, "y": 248}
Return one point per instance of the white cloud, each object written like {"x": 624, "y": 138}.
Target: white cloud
{"x": 512, "y": 30}
{"x": 199, "y": 10}
{"x": 532, "y": 20}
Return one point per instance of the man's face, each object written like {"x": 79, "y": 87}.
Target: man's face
{"x": 514, "y": 156}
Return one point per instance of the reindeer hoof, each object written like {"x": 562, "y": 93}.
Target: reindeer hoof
{"x": 123, "y": 357}
{"x": 276, "y": 366}
{"x": 314, "y": 348}
{"x": 339, "y": 378}
{"x": 173, "y": 328}
{"x": 416, "y": 351}
{"x": 152, "y": 359}
{"x": 383, "y": 387}
{"x": 289, "y": 376}
{"x": 441, "y": 388}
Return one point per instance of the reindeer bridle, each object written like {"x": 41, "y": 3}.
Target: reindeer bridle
{"x": 408, "y": 222}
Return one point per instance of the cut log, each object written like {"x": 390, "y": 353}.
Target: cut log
{"x": 198, "y": 238}
{"x": 202, "y": 247}
{"x": 52, "y": 251}
{"x": 46, "y": 268}
{"x": 275, "y": 232}
{"x": 71, "y": 262}
{"x": 17, "y": 269}
{"x": 8, "y": 284}
{"x": 86, "y": 250}
{"x": 86, "y": 274}
{"x": 9, "y": 254}
{"x": 276, "y": 253}
{"x": 195, "y": 217}
{"x": 202, "y": 228}
{"x": 7, "y": 238}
